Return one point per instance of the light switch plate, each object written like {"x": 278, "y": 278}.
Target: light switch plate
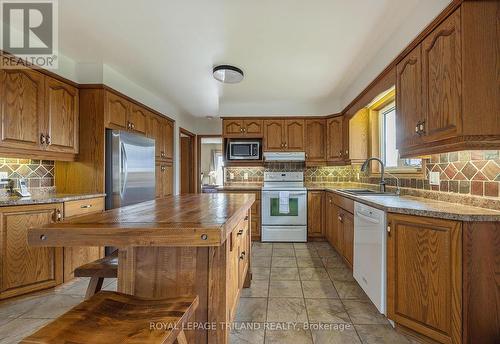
{"x": 231, "y": 176}
{"x": 245, "y": 176}
{"x": 434, "y": 178}
{"x": 3, "y": 175}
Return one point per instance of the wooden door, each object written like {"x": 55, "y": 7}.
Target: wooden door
{"x": 233, "y": 127}
{"x": 348, "y": 236}
{"x": 274, "y": 135}
{"x": 138, "y": 119}
{"x": 117, "y": 111}
{"x": 253, "y": 127}
{"x": 315, "y": 204}
{"x": 442, "y": 80}
{"x": 168, "y": 140}
{"x": 61, "y": 116}
{"x": 22, "y": 108}
{"x": 409, "y": 99}
{"x": 424, "y": 274}
{"x": 294, "y": 135}
{"x": 334, "y": 141}
{"x": 24, "y": 268}
{"x": 187, "y": 168}
{"x": 315, "y": 146}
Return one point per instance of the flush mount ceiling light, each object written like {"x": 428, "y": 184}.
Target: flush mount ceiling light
{"x": 228, "y": 74}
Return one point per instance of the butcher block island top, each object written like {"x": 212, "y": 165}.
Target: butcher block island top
{"x": 184, "y": 220}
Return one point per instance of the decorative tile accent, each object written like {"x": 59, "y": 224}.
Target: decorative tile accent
{"x": 38, "y": 173}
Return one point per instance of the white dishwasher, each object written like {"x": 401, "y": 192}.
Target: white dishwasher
{"x": 370, "y": 253}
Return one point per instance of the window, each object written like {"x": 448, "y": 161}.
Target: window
{"x": 388, "y": 150}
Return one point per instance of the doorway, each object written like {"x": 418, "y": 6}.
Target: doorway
{"x": 210, "y": 163}
{"x": 187, "y": 161}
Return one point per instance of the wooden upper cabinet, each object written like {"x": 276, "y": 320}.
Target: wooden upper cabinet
{"x": 62, "y": 109}
{"x": 315, "y": 140}
{"x": 162, "y": 130}
{"x": 334, "y": 139}
{"x": 243, "y": 128}
{"x": 253, "y": 127}
{"x": 409, "y": 99}
{"x": 169, "y": 139}
{"x": 233, "y": 128}
{"x": 441, "y": 80}
{"x": 294, "y": 135}
{"x": 424, "y": 274}
{"x": 138, "y": 119}
{"x": 22, "y": 108}
{"x": 117, "y": 111}
{"x": 274, "y": 135}
{"x": 315, "y": 220}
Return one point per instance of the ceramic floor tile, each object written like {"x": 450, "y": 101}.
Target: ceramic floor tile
{"x": 241, "y": 334}
{"x": 307, "y": 253}
{"x": 319, "y": 290}
{"x": 286, "y": 309}
{"x": 341, "y": 274}
{"x": 284, "y": 274}
{"x": 380, "y": 334}
{"x": 337, "y": 334}
{"x": 259, "y": 273}
{"x": 305, "y": 262}
{"x": 313, "y": 274}
{"x": 364, "y": 313}
{"x": 16, "y": 330}
{"x": 282, "y": 245}
{"x": 283, "y": 252}
{"x": 261, "y": 261}
{"x": 262, "y": 251}
{"x": 257, "y": 289}
{"x": 333, "y": 262}
{"x": 304, "y": 245}
{"x": 327, "y": 252}
{"x": 326, "y": 311}
{"x": 284, "y": 262}
{"x": 257, "y": 244}
{"x": 252, "y": 309}
{"x": 350, "y": 290}
{"x": 285, "y": 289}
{"x": 288, "y": 336}
{"x": 53, "y": 306}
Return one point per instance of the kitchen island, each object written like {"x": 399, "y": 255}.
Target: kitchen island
{"x": 179, "y": 246}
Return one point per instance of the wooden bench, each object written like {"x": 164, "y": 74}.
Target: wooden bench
{"x": 111, "y": 317}
{"x": 98, "y": 270}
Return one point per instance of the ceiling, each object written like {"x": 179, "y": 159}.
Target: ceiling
{"x": 299, "y": 57}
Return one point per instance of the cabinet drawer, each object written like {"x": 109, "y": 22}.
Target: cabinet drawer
{"x": 82, "y": 207}
{"x": 344, "y": 203}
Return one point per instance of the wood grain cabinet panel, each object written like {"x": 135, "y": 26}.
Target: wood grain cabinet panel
{"x": 62, "y": 115}
{"x": 138, "y": 119}
{"x": 315, "y": 146}
{"x": 233, "y": 128}
{"x": 22, "y": 108}
{"x": 294, "y": 135}
{"x": 168, "y": 139}
{"x": 424, "y": 274}
{"x": 334, "y": 139}
{"x": 117, "y": 111}
{"x": 253, "y": 127}
{"x": 347, "y": 225}
{"x": 164, "y": 179}
{"x": 274, "y": 135}
{"x": 24, "y": 268}
{"x": 315, "y": 209}
{"x": 442, "y": 82}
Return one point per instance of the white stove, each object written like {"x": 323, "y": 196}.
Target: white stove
{"x": 284, "y": 207}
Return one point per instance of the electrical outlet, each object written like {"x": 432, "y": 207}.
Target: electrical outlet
{"x": 434, "y": 178}
{"x": 245, "y": 175}
{"x": 3, "y": 175}
{"x": 231, "y": 176}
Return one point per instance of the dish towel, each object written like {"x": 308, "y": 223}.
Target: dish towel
{"x": 284, "y": 207}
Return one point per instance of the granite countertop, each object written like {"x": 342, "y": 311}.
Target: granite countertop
{"x": 6, "y": 201}
{"x": 241, "y": 187}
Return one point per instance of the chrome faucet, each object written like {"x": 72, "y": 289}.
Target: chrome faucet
{"x": 382, "y": 180}
{"x": 398, "y": 185}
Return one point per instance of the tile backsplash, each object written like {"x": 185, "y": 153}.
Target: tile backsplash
{"x": 38, "y": 173}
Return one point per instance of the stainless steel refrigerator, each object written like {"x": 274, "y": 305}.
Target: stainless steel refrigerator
{"x": 130, "y": 169}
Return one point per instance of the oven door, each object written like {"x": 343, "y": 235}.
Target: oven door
{"x": 297, "y": 215}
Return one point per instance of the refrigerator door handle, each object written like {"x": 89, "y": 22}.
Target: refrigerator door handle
{"x": 124, "y": 169}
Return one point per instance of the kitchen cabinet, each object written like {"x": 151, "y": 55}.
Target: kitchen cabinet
{"x": 315, "y": 209}
{"x": 284, "y": 135}
{"x": 138, "y": 119}
{"x": 122, "y": 114}
{"x": 24, "y": 268}
{"x": 347, "y": 224}
{"x": 255, "y": 220}
{"x": 315, "y": 146}
{"x": 164, "y": 179}
{"x": 234, "y": 128}
{"x": 162, "y": 130}
{"x": 295, "y": 135}
{"x": 78, "y": 256}
{"x": 424, "y": 275}
{"x": 334, "y": 140}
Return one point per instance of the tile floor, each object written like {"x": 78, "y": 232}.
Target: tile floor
{"x": 301, "y": 293}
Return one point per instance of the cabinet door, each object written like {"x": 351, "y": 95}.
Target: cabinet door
{"x": 294, "y": 135}
{"x": 337, "y": 230}
{"x": 233, "y": 127}
{"x": 409, "y": 98}
{"x": 164, "y": 179}
{"x": 168, "y": 139}
{"x": 22, "y": 107}
{"x": 61, "y": 110}
{"x": 168, "y": 180}
{"x": 253, "y": 127}
{"x": 117, "y": 111}
{"x": 255, "y": 225}
{"x": 424, "y": 274}
{"x": 329, "y": 218}
{"x": 334, "y": 139}
{"x": 348, "y": 235}
{"x": 442, "y": 83}
{"x": 26, "y": 268}
{"x": 159, "y": 180}
{"x": 157, "y": 131}
{"x": 315, "y": 140}
{"x": 138, "y": 119}
{"x": 274, "y": 135}
{"x": 315, "y": 203}
{"x": 232, "y": 280}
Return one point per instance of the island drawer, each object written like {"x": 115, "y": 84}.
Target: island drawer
{"x": 82, "y": 207}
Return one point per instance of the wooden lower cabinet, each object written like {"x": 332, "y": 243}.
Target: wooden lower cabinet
{"x": 315, "y": 219}
{"x": 26, "y": 269}
{"x": 164, "y": 179}
{"x": 78, "y": 256}
{"x": 255, "y": 223}
{"x": 424, "y": 276}
{"x": 347, "y": 223}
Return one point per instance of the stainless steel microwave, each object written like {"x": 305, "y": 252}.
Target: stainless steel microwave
{"x": 244, "y": 150}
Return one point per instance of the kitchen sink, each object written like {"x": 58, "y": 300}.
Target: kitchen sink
{"x": 367, "y": 192}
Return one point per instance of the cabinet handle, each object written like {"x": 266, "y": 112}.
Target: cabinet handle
{"x": 346, "y": 152}
{"x": 330, "y": 200}
{"x": 417, "y": 131}
{"x": 244, "y": 130}
{"x": 389, "y": 230}
{"x": 132, "y": 125}
{"x": 49, "y": 141}
{"x": 286, "y": 145}
{"x": 129, "y": 125}
{"x": 341, "y": 218}
{"x": 340, "y": 153}
{"x": 240, "y": 232}
{"x": 86, "y": 206}
{"x": 43, "y": 140}
{"x": 241, "y": 130}
{"x": 58, "y": 215}
{"x": 307, "y": 156}
{"x": 246, "y": 218}
{"x": 163, "y": 168}
{"x": 242, "y": 256}
{"x": 422, "y": 127}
